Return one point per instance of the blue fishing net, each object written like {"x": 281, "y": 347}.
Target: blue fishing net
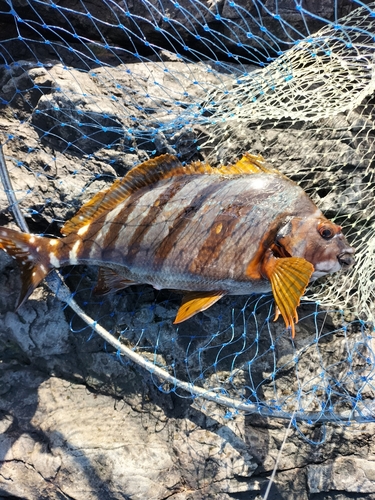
{"x": 87, "y": 92}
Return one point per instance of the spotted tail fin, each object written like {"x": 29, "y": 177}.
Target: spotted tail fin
{"x": 32, "y": 254}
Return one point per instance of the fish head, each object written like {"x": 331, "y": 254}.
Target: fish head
{"x": 319, "y": 241}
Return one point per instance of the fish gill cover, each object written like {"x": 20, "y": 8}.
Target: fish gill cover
{"x": 88, "y": 90}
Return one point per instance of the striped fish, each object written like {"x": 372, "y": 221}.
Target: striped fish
{"x": 238, "y": 229}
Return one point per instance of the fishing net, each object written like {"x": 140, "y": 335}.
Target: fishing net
{"x": 88, "y": 90}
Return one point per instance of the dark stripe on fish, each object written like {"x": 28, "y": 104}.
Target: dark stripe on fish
{"x": 105, "y": 246}
{"x": 146, "y": 223}
{"x": 221, "y": 229}
{"x": 180, "y": 222}
{"x": 118, "y": 223}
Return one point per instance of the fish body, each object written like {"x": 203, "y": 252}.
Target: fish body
{"x": 234, "y": 230}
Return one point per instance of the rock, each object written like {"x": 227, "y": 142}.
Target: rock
{"x": 75, "y": 116}
{"x": 46, "y": 320}
{"x": 85, "y": 444}
{"x": 351, "y": 474}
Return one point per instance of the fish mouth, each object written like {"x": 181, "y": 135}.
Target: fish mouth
{"x": 345, "y": 260}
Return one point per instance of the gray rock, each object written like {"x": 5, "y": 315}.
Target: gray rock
{"x": 87, "y": 447}
{"x": 351, "y": 474}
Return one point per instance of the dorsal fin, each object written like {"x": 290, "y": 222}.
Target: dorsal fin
{"x": 150, "y": 172}
{"x": 249, "y": 164}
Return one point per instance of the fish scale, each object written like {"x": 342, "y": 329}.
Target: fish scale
{"x": 238, "y": 229}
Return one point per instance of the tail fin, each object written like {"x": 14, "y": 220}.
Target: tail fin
{"x": 32, "y": 254}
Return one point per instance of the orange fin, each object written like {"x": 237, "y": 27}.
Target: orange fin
{"x": 110, "y": 281}
{"x": 195, "y": 302}
{"x": 289, "y": 278}
{"x": 32, "y": 255}
{"x": 249, "y": 164}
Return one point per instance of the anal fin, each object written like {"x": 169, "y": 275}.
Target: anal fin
{"x": 195, "y": 302}
{"x": 289, "y": 278}
{"x": 110, "y": 281}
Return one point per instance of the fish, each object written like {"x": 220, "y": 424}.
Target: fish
{"x": 207, "y": 231}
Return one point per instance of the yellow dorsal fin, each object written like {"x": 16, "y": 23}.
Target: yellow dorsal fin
{"x": 150, "y": 172}
{"x": 289, "y": 278}
{"x": 248, "y": 164}
{"x": 195, "y": 302}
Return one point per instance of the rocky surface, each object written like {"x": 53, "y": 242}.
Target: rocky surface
{"x": 76, "y": 423}
{"x": 76, "y": 420}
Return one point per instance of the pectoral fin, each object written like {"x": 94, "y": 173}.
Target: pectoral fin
{"x": 289, "y": 278}
{"x": 195, "y": 302}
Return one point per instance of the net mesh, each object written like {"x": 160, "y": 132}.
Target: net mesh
{"x": 87, "y": 92}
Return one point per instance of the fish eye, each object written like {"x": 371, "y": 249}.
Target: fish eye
{"x": 326, "y": 232}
